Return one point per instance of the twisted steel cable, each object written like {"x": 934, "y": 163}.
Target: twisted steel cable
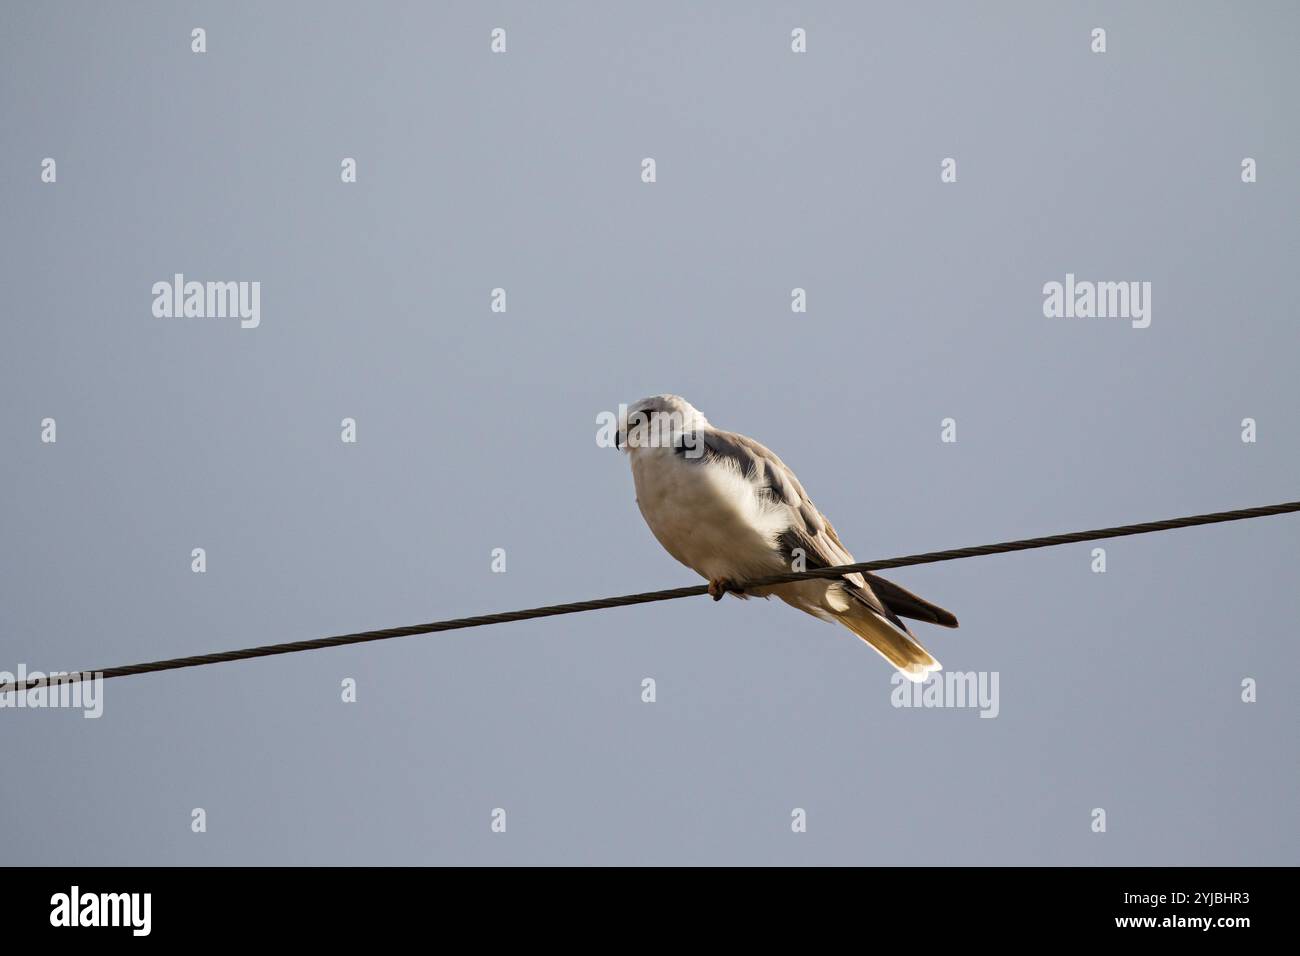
{"x": 647, "y": 597}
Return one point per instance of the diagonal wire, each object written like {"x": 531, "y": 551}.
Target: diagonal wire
{"x": 648, "y": 597}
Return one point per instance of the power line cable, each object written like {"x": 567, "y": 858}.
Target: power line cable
{"x": 648, "y": 597}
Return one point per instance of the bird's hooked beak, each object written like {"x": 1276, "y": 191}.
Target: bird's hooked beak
{"x": 618, "y": 439}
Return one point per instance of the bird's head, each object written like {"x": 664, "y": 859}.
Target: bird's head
{"x": 658, "y": 422}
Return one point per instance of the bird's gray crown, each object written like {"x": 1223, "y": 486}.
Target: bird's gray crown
{"x": 661, "y": 421}
{"x": 691, "y": 416}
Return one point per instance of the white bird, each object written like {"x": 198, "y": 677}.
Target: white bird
{"x": 729, "y": 509}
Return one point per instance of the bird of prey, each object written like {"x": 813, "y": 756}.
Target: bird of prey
{"x": 729, "y": 509}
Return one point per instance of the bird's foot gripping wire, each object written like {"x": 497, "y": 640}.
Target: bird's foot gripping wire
{"x": 720, "y": 586}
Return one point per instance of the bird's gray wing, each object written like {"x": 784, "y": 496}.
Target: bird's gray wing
{"x": 811, "y": 531}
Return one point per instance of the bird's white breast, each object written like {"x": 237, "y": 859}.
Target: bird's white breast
{"x": 707, "y": 515}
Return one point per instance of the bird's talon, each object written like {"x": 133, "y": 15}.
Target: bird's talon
{"x": 720, "y": 586}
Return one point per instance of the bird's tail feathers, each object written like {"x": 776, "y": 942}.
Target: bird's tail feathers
{"x": 893, "y": 644}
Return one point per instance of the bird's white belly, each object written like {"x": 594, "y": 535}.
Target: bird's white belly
{"x": 707, "y": 515}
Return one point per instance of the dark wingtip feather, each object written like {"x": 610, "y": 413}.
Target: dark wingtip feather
{"x": 906, "y": 604}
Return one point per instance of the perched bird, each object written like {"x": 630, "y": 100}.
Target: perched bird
{"x": 729, "y": 509}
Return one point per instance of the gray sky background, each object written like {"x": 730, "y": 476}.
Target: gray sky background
{"x": 476, "y": 430}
